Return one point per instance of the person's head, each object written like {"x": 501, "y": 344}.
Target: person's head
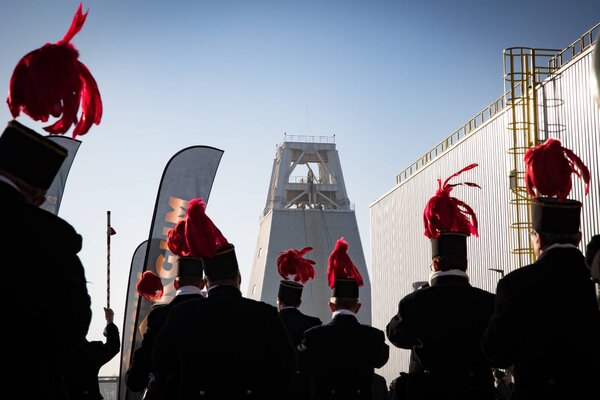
{"x": 449, "y": 251}
{"x": 344, "y": 303}
{"x": 31, "y": 161}
{"x": 189, "y": 273}
{"x": 554, "y": 221}
{"x": 289, "y": 295}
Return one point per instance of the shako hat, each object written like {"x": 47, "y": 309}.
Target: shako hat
{"x": 29, "y": 156}
{"x": 448, "y": 221}
{"x": 197, "y": 236}
{"x": 292, "y": 262}
{"x": 548, "y": 170}
{"x": 342, "y": 275}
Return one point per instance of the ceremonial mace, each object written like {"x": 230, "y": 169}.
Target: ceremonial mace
{"x": 109, "y": 232}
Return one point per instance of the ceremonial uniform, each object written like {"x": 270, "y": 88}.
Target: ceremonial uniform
{"x": 341, "y": 357}
{"x": 442, "y": 321}
{"x": 226, "y": 347}
{"x": 89, "y": 358}
{"x": 141, "y": 374}
{"x": 296, "y": 323}
{"x": 50, "y": 311}
{"x": 442, "y": 324}
{"x": 546, "y": 324}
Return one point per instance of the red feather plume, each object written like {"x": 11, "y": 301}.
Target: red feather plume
{"x": 51, "y": 81}
{"x": 196, "y": 235}
{"x": 548, "y": 168}
{"x": 291, "y": 262}
{"x": 150, "y": 286}
{"x": 340, "y": 266}
{"x": 444, "y": 213}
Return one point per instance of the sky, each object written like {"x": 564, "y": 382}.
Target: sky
{"x": 390, "y": 79}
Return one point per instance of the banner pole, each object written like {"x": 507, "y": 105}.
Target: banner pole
{"x": 108, "y": 234}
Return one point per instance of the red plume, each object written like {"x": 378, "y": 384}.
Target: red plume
{"x": 150, "y": 286}
{"x": 340, "y": 266}
{"x": 51, "y": 81}
{"x": 548, "y": 168}
{"x": 203, "y": 238}
{"x": 176, "y": 240}
{"x": 444, "y": 213}
{"x": 291, "y": 262}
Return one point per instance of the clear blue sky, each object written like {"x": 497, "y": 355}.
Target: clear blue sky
{"x": 389, "y": 78}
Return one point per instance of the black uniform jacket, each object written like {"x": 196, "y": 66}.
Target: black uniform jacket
{"x": 546, "y": 324}
{"x": 226, "y": 347}
{"x": 49, "y": 312}
{"x": 340, "y": 357}
{"x": 443, "y": 324}
{"x": 90, "y": 357}
{"x": 138, "y": 374}
{"x": 296, "y": 324}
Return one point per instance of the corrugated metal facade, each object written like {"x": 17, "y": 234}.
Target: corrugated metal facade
{"x": 400, "y": 253}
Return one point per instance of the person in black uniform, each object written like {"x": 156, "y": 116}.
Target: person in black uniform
{"x": 189, "y": 282}
{"x": 546, "y": 322}
{"x": 340, "y": 357}
{"x": 442, "y": 323}
{"x": 50, "y": 308}
{"x": 592, "y": 259}
{"x": 289, "y": 299}
{"x": 226, "y": 346}
{"x": 42, "y": 246}
{"x": 82, "y": 380}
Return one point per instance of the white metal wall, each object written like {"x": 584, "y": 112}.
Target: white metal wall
{"x": 401, "y": 254}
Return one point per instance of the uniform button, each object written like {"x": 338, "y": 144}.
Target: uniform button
{"x": 426, "y": 372}
{"x": 202, "y": 393}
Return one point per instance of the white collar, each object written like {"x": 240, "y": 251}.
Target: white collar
{"x": 560, "y": 246}
{"x": 9, "y": 182}
{"x": 342, "y": 312}
{"x": 450, "y": 272}
{"x": 188, "y": 289}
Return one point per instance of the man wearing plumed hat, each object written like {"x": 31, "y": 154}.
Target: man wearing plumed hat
{"x": 442, "y": 322}
{"x": 289, "y": 299}
{"x": 225, "y": 346}
{"x": 340, "y": 357}
{"x": 189, "y": 283}
{"x": 546, "y": 323}
{"x": 50, "y": 309}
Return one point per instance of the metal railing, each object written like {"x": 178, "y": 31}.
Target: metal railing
{"x": 451, "y": 140}
{"x": 579, "y": 46}
{"x": 308, "y": 139}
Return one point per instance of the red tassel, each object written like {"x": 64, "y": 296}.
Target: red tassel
{"x": 340, "y": 266}
{"x": 150, "y": 286}
{"x": 444, "y": 213}
{"x": 291, "y": 262}
{"x": 548, "y": 168}
{"x": 50, "y": 81}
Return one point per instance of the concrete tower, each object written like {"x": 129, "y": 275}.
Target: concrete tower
{"x": 307, "y": 205}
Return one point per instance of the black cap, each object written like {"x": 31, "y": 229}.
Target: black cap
{"x": 189, "y": 266}
{"x": 345, "y": 288}
{"x": 30, "y": 156}
{"x": 449, "y": 244}
{"x": 551, "y": 215}
{"x": 290, "y": 292}
{"x": 221, "y": 266}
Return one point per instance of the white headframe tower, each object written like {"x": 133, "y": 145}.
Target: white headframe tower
{"x": 307, "y": 206}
